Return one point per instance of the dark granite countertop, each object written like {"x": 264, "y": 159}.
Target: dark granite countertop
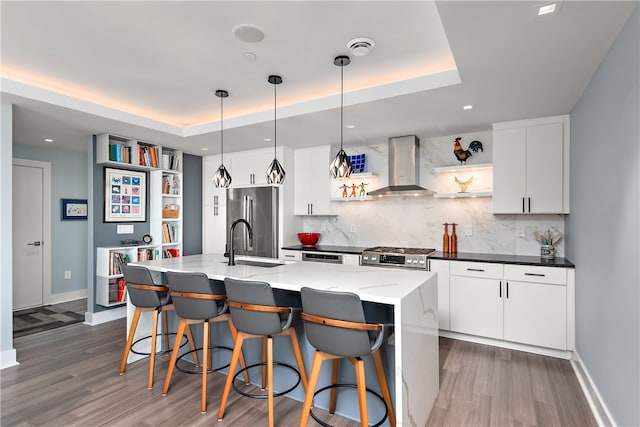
{"x": 504, "y": 259}
{"x": 327, "y": 248}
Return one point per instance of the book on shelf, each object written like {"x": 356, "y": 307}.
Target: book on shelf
{"x": 169, "y": 233}
{"x": 116, "y": 260}
{"x": 120, "y": 285}
{"x": 171, "y": 253}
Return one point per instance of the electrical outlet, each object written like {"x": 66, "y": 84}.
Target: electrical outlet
{"x": 67, "y": 274}
{"x": 324, "y": 228}
{"x": 468, "y": 230}
{"x": 353, "y": 228}
{"x": 520, "y": 230}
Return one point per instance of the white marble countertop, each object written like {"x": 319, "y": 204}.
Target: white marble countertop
{"x": 375, "y": 284}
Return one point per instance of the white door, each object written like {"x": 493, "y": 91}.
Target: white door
{"x": 544, "y": 168}
{"x": 28, "y": 201}
{"x": 476, "y": 306}
{"x": 509, "y": 170}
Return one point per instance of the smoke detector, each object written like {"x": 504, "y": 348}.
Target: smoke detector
{"x": 360, "y": 46}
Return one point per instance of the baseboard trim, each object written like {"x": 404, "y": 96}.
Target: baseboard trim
{"x": 561, "y": 354}
{"x": 67, "y": 296}
{"x": 8, "y": 358}
{"x": 93, "y": 319}
{"x": 591, "y": 393}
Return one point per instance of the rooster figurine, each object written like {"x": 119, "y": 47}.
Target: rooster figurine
{"x": 461, "y": 154}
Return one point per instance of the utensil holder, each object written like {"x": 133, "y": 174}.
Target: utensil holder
{"x": 547, "y": 251}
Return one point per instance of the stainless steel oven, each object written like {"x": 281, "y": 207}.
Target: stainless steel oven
{"x": 384, "y": 256}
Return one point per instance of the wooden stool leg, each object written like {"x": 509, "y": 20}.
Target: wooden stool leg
{"x": 152, "y": 350}
{"x": 311, "y": 387}
{"x": 264, "y": 361}
{"x": 296, "y": 352}
{"x": 384, "y": 386}
{"x": 165, "y": 331}
{"x": 362, "y": 392}
{"x": 234, "y": 334}
{"x": 237, "y": 350}
{"x": 205, "y": 363}
{"x": 174, "y": 355}
{"x": 192, "y": 345}
{"x": 335, "y": 367}
{"x": 270, "y": 379}
{"x": 132, "y": 332}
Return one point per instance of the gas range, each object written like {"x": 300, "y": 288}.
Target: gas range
{"x": 396, "y": 257}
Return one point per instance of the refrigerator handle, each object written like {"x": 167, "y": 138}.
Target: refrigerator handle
{"x": 250, "y": 219}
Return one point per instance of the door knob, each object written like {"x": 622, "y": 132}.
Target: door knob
{"x": 36, "y": 243}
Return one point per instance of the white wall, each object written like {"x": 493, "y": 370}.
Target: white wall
{"x": 7, "y": 352}
{"x": 417, "y": 221}
{"x": 604, "y": 229}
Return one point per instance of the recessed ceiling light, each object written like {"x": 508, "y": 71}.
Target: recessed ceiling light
{"x": 267, "y": 139}
{"x": 249, "y": 56}
{"x": 361, "y": 46}
{"x": 48, "y": 140}
{"x": 248, "y": 33}
{"x": 351, "y": 126}
{"x": 467, "y": 107}
{"x": 546, "y": 9}
{"x": 204, "y": 149}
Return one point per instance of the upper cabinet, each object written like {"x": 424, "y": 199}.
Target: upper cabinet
{"x": 531, "y": 166}
{"x": 249, "y": 167}
{"x": 312, "y": 187}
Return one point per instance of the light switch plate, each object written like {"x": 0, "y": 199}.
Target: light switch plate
{"x": 124, "y": 229}
{"x": 520, "y": 230}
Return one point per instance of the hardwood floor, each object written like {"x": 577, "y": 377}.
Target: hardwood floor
{"x": 69, "y": 377}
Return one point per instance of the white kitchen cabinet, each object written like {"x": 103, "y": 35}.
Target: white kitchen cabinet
{"x": 476, "y": 303}
{"x": 214, "y": 224}
{"x": 290, "y": 255}
{"x": 520, "y": 304}
{"x": 249, "y": 167}
{"x": 312, "y": 191}
{"x": 535, "y": 309}
{"x": 351, "y": 259}
{"x": 531, "y": 166}
{"x": 441, "y": 267}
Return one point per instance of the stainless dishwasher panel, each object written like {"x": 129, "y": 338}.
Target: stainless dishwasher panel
{"x": 322, "y": 257}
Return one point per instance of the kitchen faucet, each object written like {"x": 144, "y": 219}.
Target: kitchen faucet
{"x": 232, "y": 260}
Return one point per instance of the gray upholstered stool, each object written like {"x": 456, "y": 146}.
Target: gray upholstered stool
{"x": 198, "y": 300}
{"x": 256, "y": 315}
{"x": 335, "y": 325}
{"x": 147, "y": 296}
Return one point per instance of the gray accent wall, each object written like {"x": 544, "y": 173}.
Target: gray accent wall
{"x": 603, "y": 229}
{"x": 68, "y": 238}
{"x": 192, "y": 201}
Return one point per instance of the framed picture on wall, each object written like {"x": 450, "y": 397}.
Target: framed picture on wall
{"x": 74, "y": 209}
{"x": 125, "y": 195}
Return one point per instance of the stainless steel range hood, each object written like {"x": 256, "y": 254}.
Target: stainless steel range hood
{"x": 404, "y": 169}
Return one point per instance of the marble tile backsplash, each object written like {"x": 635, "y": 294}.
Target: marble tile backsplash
{"x": 418, "y": 221}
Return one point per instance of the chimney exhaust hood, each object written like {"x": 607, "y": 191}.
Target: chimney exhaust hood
{"x": 404, "y": 169}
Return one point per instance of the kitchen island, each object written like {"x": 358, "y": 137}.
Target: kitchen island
{"x": 410, "y": 297}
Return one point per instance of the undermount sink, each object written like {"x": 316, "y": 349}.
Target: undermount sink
{"x": 257, "y": 263}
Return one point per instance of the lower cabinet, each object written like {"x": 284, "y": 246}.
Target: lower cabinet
{"x": 516, "y": 303}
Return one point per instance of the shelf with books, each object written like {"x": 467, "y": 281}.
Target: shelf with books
{"x": 127, "y": 152}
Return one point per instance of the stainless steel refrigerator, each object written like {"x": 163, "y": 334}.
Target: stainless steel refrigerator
{"x": 259, "y": 206}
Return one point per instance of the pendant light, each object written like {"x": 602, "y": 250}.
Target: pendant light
{"x": 275, "y": 172}
{"x": 221, "y": 178}
{"x": 340, "y": 167}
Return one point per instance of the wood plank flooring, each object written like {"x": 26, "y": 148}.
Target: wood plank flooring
{"x": 69, "y": 377}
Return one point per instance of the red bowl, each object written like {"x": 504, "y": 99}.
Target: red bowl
{"x": 308, "y": 239}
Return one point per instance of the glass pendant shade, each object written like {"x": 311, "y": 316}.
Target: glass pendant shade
{"x": 221, "y": 179}
{"x": 275, "y": 172}
{"x": 341, "y": 167}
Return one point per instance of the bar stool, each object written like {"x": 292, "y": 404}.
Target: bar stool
{"x": 256, "y": 315}
{"x": 198, "y": 300}
{"x": 335, "y": 325}
{"x": 147, "y": 296}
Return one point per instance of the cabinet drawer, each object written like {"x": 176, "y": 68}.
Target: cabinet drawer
{"x": 290, "y": 255}
{"x": 527, "y": 273}
{"x": 476, "y": 269}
